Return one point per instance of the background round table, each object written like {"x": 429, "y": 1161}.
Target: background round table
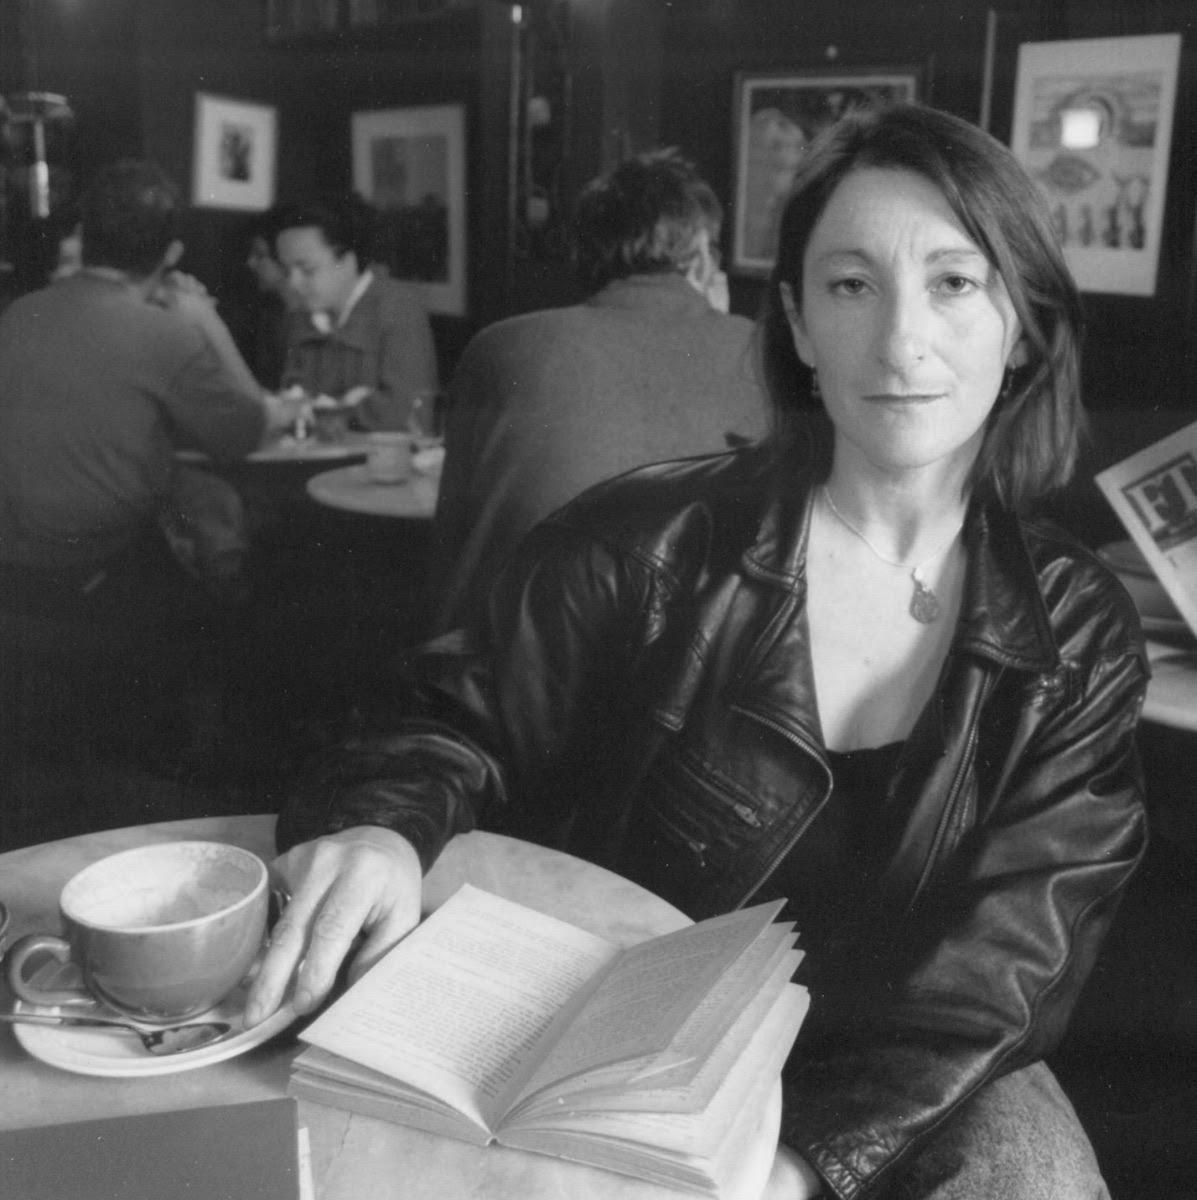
{"x": 351, "y": 489}
{"x": 352, "y": 1156}
{"x": 1172, "y": 693}
{"x": 288, "y": 449}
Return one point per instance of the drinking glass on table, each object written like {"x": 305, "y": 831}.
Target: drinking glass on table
{"x": 425, "y": 421}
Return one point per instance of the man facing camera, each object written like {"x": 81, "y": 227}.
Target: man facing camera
{"x": 650, "y": 367}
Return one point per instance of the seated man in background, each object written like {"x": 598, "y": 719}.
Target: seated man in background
{"x": 101, "y": 376}
{"x": 650, "y": 367}
{"x": 367, "y": 342}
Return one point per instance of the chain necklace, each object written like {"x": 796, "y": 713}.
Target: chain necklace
{"x": 924, "y": 604}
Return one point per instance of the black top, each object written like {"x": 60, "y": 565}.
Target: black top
{"x": 830, "y": 872}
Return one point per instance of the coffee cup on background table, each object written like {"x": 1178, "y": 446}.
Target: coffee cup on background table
{"x": 160, "y": 933}
{"x": 388, "y": 456}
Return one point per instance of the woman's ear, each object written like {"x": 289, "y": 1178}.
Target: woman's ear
{"x": 1019, "y": 356}
{"x": 802, "y": 344}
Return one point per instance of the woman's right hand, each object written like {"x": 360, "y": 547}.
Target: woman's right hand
{"x": 366, "y": 880}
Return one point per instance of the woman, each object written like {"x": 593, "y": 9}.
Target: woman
{"x": 366, "y": 340}
{"x": 861, "y": 680}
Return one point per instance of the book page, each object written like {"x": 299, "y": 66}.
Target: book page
{"x": 668, "y": 1083}
{"x": 649, "y": 992}
{"x": 460, "y": 1004}
{"x": 697, "y": 1150}
{"x": 1154, "y": 493}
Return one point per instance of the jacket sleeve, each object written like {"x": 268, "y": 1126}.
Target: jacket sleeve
{"x": 993, "y": 952}
{"x": 406, "y": 361}
{"x": 510, "y": 731}
{"x": 214, "y": 407}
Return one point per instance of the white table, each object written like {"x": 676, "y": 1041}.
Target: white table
{"x": 288, "y": 449}
{"x": 1172, "y": 692}
{"x": 353, "y": 1157}
{"x": 351, "y": 489}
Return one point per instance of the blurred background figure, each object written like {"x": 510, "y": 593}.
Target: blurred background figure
{"x": 367, "y": 341}
{"x": 102, "y": 376}
{"x": 274, "y": 306}
{"x": 650, "y": 367}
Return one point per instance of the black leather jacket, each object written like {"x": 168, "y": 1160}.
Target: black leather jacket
{"x": 641, "y": 694}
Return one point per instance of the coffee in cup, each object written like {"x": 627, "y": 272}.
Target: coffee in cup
{"x": 160, "y": 933}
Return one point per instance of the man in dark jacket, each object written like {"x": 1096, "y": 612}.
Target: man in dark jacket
{"x": 650, "y": 367}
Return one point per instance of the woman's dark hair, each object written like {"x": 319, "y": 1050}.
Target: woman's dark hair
{"x": 1031, "y": 441}
{"x": 348, "y": 223}
{"x": 129, "y": 217}
{"x": 642, "y": 218}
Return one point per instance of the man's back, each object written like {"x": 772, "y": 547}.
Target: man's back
{"x": 94, "y": 385}
{"x": 545, "y": 405}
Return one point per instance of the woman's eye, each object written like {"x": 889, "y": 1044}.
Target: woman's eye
{"x": 847, "y": 287}
{"x": 957, "y": 285}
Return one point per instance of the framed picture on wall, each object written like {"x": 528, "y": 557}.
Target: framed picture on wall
{"x": 1093, "y": 124}
{"x": 234, "y": 153}
{"x": 410, "y": 163}
{"x": 776, "y": 116}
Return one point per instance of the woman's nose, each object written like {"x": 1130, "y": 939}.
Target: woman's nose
{"x": 903, "y": 335}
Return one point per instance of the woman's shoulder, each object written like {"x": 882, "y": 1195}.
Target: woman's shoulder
{"x": 674, "y": 508}
{"x": 1085, "y": 599}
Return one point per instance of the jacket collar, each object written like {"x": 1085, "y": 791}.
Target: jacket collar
{"x": 668, "y": 292}
{"x": 357, "y": 321}
{"x": 1003, "y": 616}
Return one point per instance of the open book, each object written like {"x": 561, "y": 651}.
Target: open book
{"x": 1154, "y": 493}
{"x": 494, "y": 1022}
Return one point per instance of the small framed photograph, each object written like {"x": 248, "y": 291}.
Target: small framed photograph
{"x": 1093, "y": 125}
{"x": 777, "y": 115}
{"x": 410, "y": 164}
{"x": 235, "y": 154}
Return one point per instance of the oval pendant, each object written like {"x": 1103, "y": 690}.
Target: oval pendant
{"x": 924, "y": 604}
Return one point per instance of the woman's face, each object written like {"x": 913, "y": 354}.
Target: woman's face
{"x": 320, "y": 277}
{"x": 907, "y": 323}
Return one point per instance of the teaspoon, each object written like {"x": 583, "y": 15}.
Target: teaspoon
{"x": 175, "y": 1039}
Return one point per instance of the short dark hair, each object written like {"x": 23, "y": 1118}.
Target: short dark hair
{"x": 1032, "y": 438}
{"x": 129, "y": 217}
{"x": 347, "y": 222}
{"x": 642, "y": 218}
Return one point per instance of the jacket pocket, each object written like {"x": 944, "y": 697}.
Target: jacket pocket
{"x": 694, "y": 822}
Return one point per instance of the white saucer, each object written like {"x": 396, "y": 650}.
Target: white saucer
{"x": 94, "y": 1051}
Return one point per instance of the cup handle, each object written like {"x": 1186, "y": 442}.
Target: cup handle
{"x": 26, "y": 989}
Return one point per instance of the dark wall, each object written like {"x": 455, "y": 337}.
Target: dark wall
{"x": 1140, "y": 352}
{"x": 219, "y": 47}
{"x": 132, "y": 69}
{"x": 86, "y": 52}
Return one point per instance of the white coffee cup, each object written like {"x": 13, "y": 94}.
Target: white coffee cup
{"x": 161, "y": 932}
{"x": 388, "y": 456}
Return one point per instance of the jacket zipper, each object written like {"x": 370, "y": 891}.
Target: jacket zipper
{"x": 814, "y": 751}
